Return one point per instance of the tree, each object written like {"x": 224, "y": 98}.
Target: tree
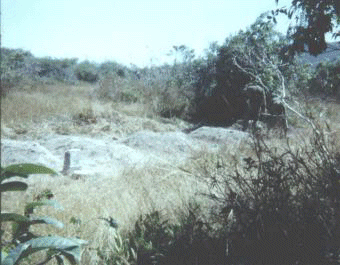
{"x": 252, "y": 57}
{"x": 314, "y": 18}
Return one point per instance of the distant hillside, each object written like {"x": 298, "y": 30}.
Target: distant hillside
{"x": 331, "y": 54}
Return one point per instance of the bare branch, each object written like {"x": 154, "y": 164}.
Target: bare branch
{"x": 256, "y": 77}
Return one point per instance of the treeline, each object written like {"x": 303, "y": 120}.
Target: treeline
{"x": 19, "y": 66}
{"x": 258, "y": 55}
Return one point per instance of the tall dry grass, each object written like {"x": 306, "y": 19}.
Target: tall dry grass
{"x": 64, "y": 109}
{"x": 43, "y": 102}
{"x": 123, "y": 197}
{"x": 136, "y": 191}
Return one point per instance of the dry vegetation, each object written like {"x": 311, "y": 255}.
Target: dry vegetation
{"x": 64, "y": 109}
{"x": 241, "y": 204}
{"x": 137, "y": 191}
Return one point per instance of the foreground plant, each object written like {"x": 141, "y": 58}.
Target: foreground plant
{"x": 282, "y": 207}
{"x": 23, "y": 242}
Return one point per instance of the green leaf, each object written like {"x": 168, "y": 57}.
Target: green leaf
{"x": 23, "y": 170}
{"x": 5, "y": 175}
{"x": 13, "y": 186}
{"x": 4, "y": 254}
{"x": 13, "y": 217}
{"x": 15, "y": 254}
{"x": 69, "y": 247}
{"x": 32, "y": 205}
{"x": 46, "y": 220}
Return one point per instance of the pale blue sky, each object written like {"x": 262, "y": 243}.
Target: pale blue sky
{"x": 126, "y": 31}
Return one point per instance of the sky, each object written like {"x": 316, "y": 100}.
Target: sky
{"x": 139, "y": 32}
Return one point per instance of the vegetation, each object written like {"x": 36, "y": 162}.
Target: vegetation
{"x": 275, "y": 207}
{"x": 326, "y": 80}
{"x": 313, "y": 20}
{"x": 23, "y": 242}
{"x": 274, "y": 201}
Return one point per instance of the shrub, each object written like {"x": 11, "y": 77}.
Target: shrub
{"x": 87, "y": 72}
{"x": 167, "y": 90}
{"x": 111, "y": 67}
{"x": 85, "y": 117}
{"x": 115, "y": 88}
{"x": 326, "y": 80}
{"x": 20, "y": 69}
{"x": 16, "y": 65}
{"x": 250, "y": 57}
{"x": 191, "y": 241}
{"x": 51, "y": 69}
{"x": 281, "y": 207}
{"x": 23, "y": 242}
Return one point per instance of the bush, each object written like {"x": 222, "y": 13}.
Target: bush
{"x": 167, "y": 90}
{"x": 281, "y": 207}
{"x": 326, "y": 80}
{"x": 87, "y": 72}
{"x": 16, "y": 64}
{"x": 191, "y": 241}
{"x": 110, "y": 67}
{"x": 61, "y": 70}
{"x": 20, "y": 69}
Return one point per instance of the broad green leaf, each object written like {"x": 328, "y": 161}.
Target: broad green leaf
{"x": 30, "y": 206}
{"x": 16, "y": 254}
{"x": 5, "y": 175}
{"x": 46, "y": 220}
{"x": 4, "y": 254}
{"x": 69, "y": 247}
{"x": 13, "y": 186}
{"x": 13, "y": 217}
{"x": 22, "y": 170}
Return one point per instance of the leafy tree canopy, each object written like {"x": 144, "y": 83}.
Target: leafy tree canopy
{"x": 314, "y": 18}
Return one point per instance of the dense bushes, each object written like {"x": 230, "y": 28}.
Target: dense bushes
{"x": 326, "y": 80}
{"x": 20, "y": 68}
{"x": 14, "y": 68}
{"x": 282, "y": 207}
{"x": 87, "y": 72}
{"x": 61, "y": 70}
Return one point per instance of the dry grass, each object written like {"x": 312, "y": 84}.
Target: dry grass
{"x": 66, "y": 109}
{"x": 123, "y": 197}
{"x": 325, "y": 111}
{"x": 45, "y": 101}
{"x": 136, "y": 191}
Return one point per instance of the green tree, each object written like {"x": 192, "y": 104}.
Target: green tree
{"x": 253, "y": 55}
{"x": 314, "y": 18}
{"x": 186, "y": 54}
